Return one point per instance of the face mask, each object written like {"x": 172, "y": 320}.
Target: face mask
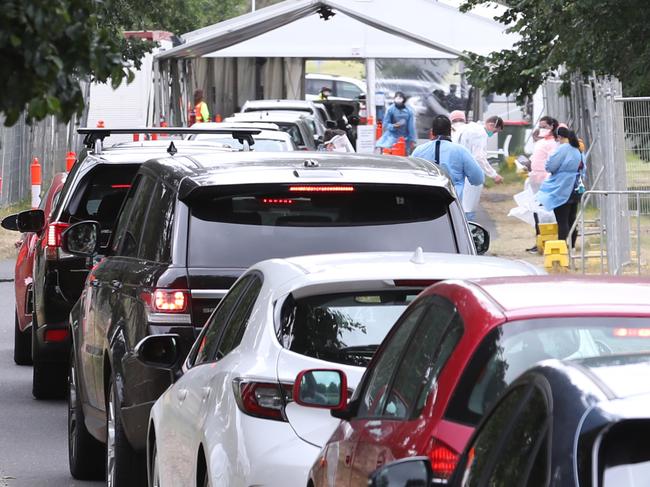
{"x": 544, "y": 132}
{"x": 399, "y": 101}
{"x": 489, "y": 133}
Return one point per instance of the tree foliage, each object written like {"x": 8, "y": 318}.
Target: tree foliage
{"x": 602, "y": 37}
{"x": 48, "y": 46}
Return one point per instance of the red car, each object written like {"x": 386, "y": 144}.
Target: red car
{"x": 23, "y": 278}
{"x": 455, "y": 350}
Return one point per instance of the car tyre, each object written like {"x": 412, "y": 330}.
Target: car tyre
{"x": 85, "y": 454}
{"x": 22, "y": 344}
{"x": 124, "y": 466}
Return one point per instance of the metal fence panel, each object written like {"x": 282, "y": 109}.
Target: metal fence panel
{"x": 49, "y": 140}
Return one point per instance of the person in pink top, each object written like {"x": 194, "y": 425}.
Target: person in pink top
{"x": 543, "y": 148}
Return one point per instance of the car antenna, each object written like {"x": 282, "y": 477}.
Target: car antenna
{"x": 418, "y": 256}
{"x": 172, "y": 150}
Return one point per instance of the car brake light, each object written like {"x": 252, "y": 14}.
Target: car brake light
{"x": 321, "y": 189}
{"x": 54, "y": 232}
{"x": 632, "y": 332}
{"x": 262, "y": 399}
{"x": 56, "y": 335}
{"x": 169, "y": 300}
{"x": 277, "y": 201}
{"x": 120, "y": 186}
{"x": 443, "y": 458}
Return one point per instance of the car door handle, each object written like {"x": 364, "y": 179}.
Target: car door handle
{"x": 181, "y": 394}
{"x": 205, "y": 393}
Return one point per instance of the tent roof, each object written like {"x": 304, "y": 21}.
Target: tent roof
{"x": 360, "y": 29}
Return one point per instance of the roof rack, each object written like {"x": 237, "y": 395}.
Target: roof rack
{"x": 94, "y": 137}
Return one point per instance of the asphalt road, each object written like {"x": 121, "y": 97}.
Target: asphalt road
{"x": 33, "y": 434}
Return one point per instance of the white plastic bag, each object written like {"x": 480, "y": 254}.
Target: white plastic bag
{"x": 527, "y": 205}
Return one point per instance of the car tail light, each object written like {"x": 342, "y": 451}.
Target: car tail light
{"x": 53, "y": 239}
{"x": 168, "y": 300}
{"x": 262, "y": 399}
{"x": 56, "y": 335}
{"x": 168, "y": 306}
{"x": 443, "y": 459}
{"x": 632, "y": 332}
{"x": 322, "y": 189}
{"x": 277, "y": 201}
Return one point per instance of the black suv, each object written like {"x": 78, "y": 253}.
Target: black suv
{"x": 94, "y": 189}
{"x": 188, "y": 228}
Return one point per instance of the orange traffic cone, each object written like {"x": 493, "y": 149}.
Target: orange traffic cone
{"x": 400, "y": 147}
{"x": 217, "y": 117}
{"x": 37, "y": 179}
{"x": 70, "y": 157}
{"x": 100, "y": 124}
{"x": 379, "y": 130}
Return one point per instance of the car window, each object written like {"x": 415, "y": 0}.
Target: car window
{"x": 522, "y": 455}
{"x": 120, "y": 226}
{"x": 344, "y": 328}
{"x": 134, "y": 226}
{"x": 624, "y": 454}
{"x": 345, "y": 89}
{"x": 236, "y": 326}
{"x": 159, "y": 225}
{"x": 383, "y": 368}
{"x": 509, "y": 350}
{"x": 272, "y": 221}
{"x": 313, "y": 86}
{"x": 294, "y": 132}
{"x": 214, "y": 327}
{"x": 437, "y": 335}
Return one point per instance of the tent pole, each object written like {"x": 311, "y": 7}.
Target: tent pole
{"x": 370, "y": 84}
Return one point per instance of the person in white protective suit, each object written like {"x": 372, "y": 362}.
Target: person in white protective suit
{"x": 458, "y": 124}
{"x": 475, "y": 137}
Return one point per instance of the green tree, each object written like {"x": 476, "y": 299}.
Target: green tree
{"x": 602, "y": 37}
{"x": 48, "y": 46}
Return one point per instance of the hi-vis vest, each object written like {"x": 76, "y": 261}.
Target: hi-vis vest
{"x": 197, "y": 113}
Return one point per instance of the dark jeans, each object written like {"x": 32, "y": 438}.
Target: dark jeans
{"x": 566, "y": 216}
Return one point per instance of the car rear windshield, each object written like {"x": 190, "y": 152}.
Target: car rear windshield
{"x": 509, "y": 350}
{"x": 100, "y": 193}
{"x": 344, "y": 328}
{"x": 239, "y": 227}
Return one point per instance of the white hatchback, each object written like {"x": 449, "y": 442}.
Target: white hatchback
{"x": 229, "y": 419}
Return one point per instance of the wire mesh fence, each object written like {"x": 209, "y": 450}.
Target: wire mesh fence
{"x": 48, "y": 140}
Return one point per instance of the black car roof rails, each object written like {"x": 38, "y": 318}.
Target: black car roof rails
{"x": 94, "y": 137}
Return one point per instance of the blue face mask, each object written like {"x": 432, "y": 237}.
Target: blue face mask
{"x": 489, "y": 133}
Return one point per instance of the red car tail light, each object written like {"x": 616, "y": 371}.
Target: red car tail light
{"x": 168, "y": 306}
{"x": 443, "y": 458}
{"x": 53, "y": 239}
{"x": 262, "y": 399}
{"x": 170, "y": 301}
{"x": 322, "y": 189}
{"x": 56, "y": 335}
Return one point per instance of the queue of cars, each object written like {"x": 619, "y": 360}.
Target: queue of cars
{"x": 225, "y": 300}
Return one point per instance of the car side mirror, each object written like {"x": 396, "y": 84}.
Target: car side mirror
{"x": 81, "y": 239}
{"x": 160, "y": 351}
{"x": 480, "y": 236}
{"x": 25, "y": 221}
{"x": 408, "y": 472}
{"x": 321, "y": 388}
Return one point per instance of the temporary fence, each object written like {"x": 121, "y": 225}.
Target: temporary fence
{"x": 48, "y": 140}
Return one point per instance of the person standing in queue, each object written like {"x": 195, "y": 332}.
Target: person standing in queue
{"x": 560, "y": 193}
{"x": 475, "y": 138}
{"x": 544, "y": 146}
{"x": 201, "y": 112}
{"x": 454, "y": 158}
{"x": 399, "y": 121}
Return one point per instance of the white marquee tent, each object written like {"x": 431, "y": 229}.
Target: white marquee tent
{"x": 262, "y": 53}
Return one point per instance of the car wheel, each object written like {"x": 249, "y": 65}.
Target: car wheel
{"x": 22, "y": 344}
{"x": 124, "y": 466}
{"x": 85, "y": 453}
